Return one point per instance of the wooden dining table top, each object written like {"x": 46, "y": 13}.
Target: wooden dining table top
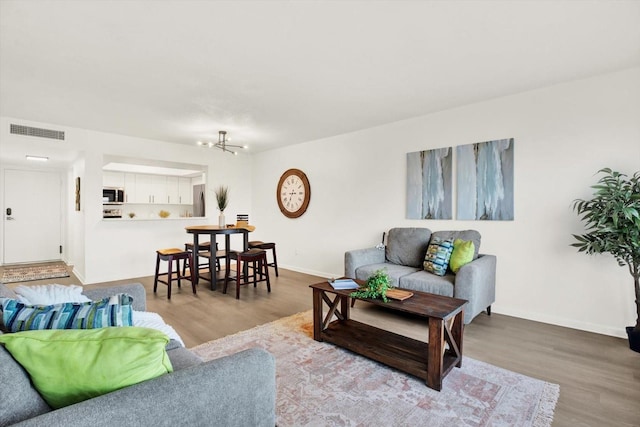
{"x": 209, "y": 228}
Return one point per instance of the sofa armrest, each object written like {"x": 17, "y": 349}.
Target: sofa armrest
{"x": 136, "y": 290}
{"x": 237, "y": 390}
{"x": 476, "y": 282}
{"x": 359, "y": 257}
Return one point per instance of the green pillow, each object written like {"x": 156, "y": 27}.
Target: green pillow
{"x": 462, "y": 254}
{"x": 71, "y": 365}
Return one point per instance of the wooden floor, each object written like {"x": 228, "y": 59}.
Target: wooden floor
{"x": 599, "y": 376}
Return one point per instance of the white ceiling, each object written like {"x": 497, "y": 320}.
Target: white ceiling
{"x": 274, "y": 73}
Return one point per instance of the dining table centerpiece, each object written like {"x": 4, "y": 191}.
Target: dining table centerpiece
{"x": 222, "y": 199}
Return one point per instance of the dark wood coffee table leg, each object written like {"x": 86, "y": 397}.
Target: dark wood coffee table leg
{"x": 436, "y": 353}
{"x": 457, "y": 333}
{"x": 317, "y": 314}
{"x": 345, "y": 307}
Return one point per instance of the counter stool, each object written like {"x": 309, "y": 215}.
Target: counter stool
{"x": 170, "y": 255}
{"x": 259, "y": 273}
{"x": 203, "y": 252}
{"x": 257, "y": 244}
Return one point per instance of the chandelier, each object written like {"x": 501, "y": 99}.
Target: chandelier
{"x": 222, "y": 143}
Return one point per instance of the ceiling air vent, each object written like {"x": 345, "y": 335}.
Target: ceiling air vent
{"x": 38, "y": 132}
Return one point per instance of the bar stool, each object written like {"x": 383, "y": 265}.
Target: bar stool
{"x": 170, "y": 255}
{"x": 203, "y": 250}
{"x": 259, "y": 273}
{"x": 257, "y": 244}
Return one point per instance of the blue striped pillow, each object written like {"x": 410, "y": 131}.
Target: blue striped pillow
{"x": 438, "y": 254}
{"x": 112, "y": 311}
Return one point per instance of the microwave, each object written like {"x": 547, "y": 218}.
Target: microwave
{"x": 112, "y": 196}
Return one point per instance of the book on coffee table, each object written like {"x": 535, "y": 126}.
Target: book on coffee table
{"x": 343, "y": 284}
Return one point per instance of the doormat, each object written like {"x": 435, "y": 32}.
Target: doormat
{"x": 319, "y": 384}
{"x": 34, "y": 272}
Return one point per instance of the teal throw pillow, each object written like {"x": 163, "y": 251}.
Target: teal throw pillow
{"x": 69, "y": 366}
{"x": 439, "y": 251}
{"x": 111, "y": 311}
{"x": 462, "y": 254}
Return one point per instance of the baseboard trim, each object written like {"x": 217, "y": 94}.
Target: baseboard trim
{"x": 559, "y": 321}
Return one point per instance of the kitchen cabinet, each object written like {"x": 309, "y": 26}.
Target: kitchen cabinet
{"x": 185, "y": 191}
{"x": 129, "y": 187}
{"x": 159, "y": 189}
{"x": 179, "y": 190}
{"x": 112, "y": 179}
{"x": 151, "y": 189}
{"x": 173, "y": 193}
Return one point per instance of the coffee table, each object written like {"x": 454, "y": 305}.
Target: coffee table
{"x": 430, "y": 361}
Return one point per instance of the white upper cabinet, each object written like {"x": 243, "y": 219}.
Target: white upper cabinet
{"x": 151, "y": 189}
{"x": 185, "y": 191}
{"x": 144, "y": 190}
{"x": 173, "y": 193}
{"x": 129, "y": 187}
{"x": 112, "y": 179}
{"x": 159, "y": 189}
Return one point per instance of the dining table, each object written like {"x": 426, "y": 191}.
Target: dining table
{"x": 213, "y": 231}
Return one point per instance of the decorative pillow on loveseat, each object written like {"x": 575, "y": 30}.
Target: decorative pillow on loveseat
{"x": 69, "y": 366}
{"x": 113, "y": 311}
{"x": 406, "y": 246}
{"x": 439, "y": 251}
{"x": 462, "y": 254}
{"x": 472, "y": 235}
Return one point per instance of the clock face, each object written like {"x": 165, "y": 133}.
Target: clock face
{"x": 293, "y": 193}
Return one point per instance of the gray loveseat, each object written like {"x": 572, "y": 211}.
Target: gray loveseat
{"x": 403, "y": 258}
{"x": 237, "y": 390}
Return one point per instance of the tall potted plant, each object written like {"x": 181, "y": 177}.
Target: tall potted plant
{"x": 222, "y": 199}
{"x": 612, "y": 221}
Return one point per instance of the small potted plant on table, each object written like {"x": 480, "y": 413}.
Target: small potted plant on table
{"x": 377, "y": 286}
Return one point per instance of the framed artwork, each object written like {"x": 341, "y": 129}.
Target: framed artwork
{"x": 429, "y": 186}
{"x": 485, "y": 181}
{"x": 77, "y": 193}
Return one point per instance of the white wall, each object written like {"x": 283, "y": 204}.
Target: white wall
{"x": 563, "y": 135}
{"x": 74, "y": 255}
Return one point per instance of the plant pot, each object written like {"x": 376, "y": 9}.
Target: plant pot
{"x": 634, "y": 339}
{"x": 221, "y": 221}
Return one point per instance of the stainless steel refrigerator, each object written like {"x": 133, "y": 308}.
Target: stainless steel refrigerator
{"x": 198, "y": 200}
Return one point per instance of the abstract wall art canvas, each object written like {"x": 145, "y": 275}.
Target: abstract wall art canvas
{"x": 429, "y": 184}
{"x": 485, "y": 180}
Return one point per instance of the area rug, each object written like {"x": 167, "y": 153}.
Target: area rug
{"x": 319, "y": 384}
{"x": 34, "y": 272}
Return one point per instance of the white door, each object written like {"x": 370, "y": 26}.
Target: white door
{"x": 32, "y": 227}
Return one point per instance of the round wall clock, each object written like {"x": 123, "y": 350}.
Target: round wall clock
{"x": 293, "y": 193}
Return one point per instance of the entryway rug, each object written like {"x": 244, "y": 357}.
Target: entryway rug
{"x": 34, "y": 272}
{"x": 319, "y": 384}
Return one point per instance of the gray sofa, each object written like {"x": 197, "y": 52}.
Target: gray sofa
{"x": 403, "y": 258}
{"x": 237, "y": 390}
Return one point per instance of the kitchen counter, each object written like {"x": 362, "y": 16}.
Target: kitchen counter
{"x": 197, "y": 218}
